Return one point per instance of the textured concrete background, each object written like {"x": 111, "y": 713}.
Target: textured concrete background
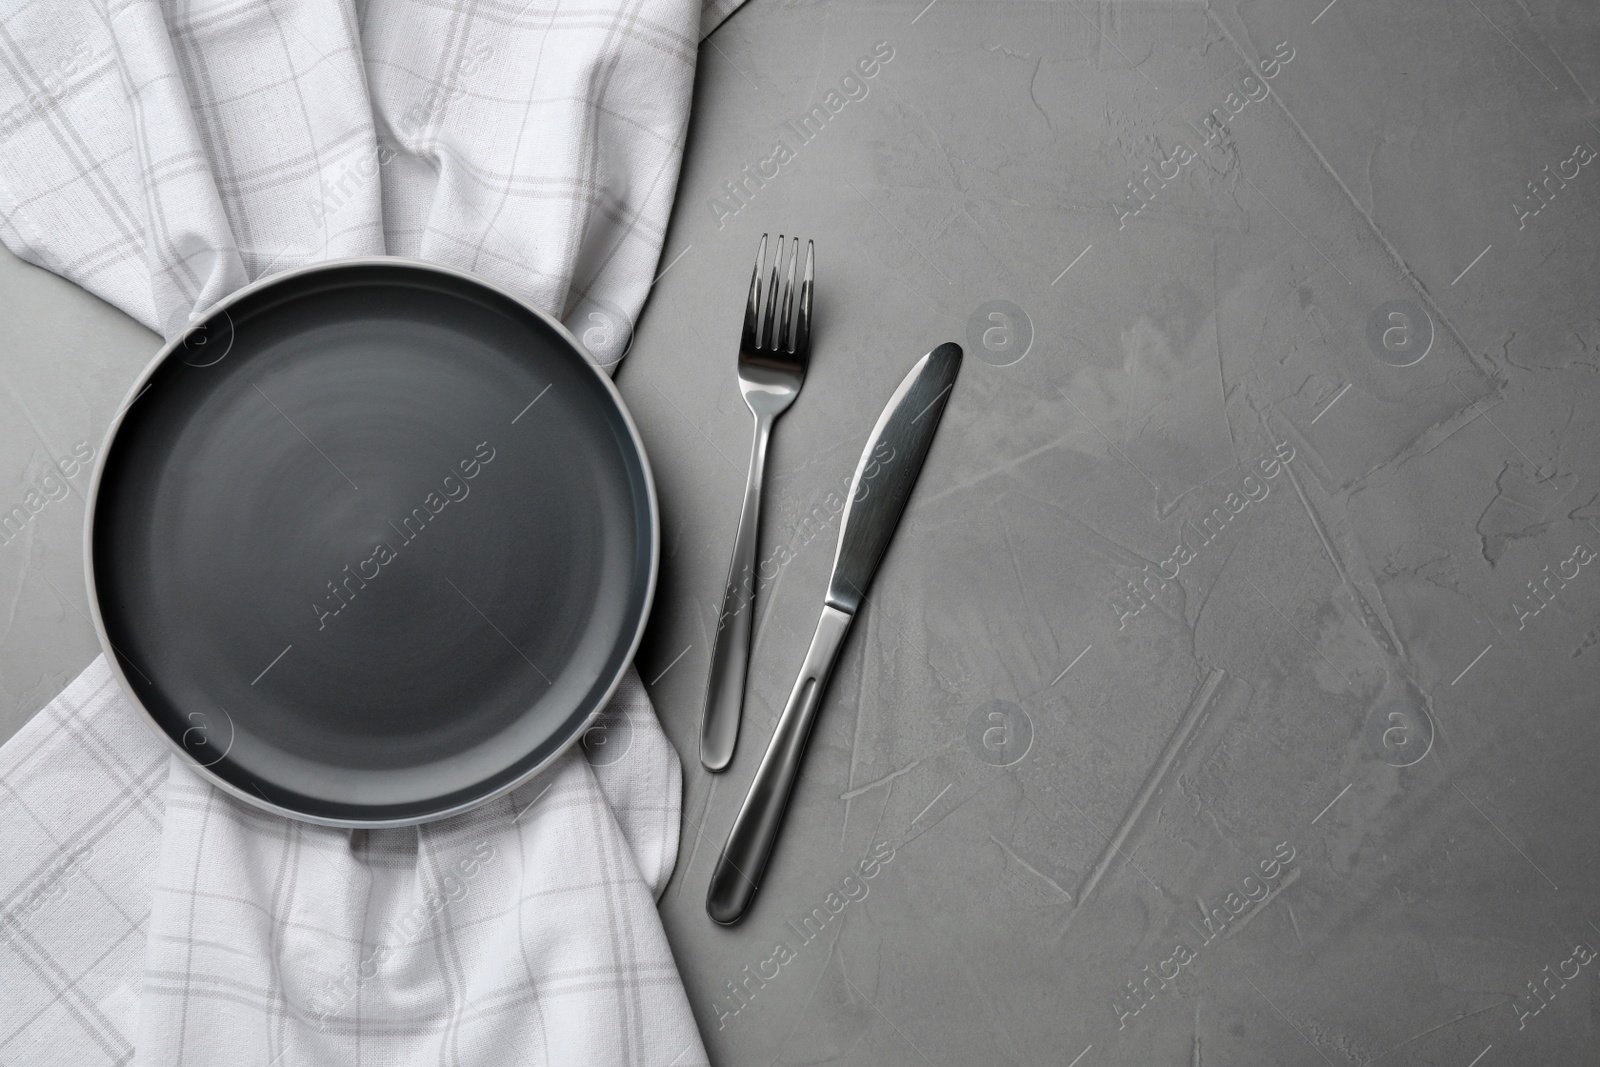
{"x": 1227, "y": 695}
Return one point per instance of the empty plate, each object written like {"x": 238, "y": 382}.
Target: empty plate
{"x": 373, "y": 543}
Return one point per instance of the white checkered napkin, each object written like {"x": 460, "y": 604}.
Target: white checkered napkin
{"x": 148, "y": 918}
{"x": 81, "y": 801}
{"x": 484, "y": 939}
{"x": 164, "y": 154}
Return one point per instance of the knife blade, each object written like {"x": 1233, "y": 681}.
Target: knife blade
{"x": 884, "y": 478}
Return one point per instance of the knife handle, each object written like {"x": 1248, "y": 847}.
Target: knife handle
{"x": 755, "y": 830}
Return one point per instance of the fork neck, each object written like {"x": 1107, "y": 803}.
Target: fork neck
{"x": 763, "y": 435}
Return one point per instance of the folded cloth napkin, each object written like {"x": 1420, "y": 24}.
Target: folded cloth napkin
{"x": 149, "y": 918}
{"x": 162, "y": 156}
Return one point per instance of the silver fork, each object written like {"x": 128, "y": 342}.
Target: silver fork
{"x": 772, "y": 366}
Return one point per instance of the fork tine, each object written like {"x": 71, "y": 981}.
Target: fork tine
{"x": 752, "y": 308}
{"x": 802, "y": 326}
{"x": 767, "y": 336}
{"x": 774, "y": 299}
{"x": 786, "y": 331}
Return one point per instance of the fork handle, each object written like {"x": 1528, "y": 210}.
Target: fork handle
{"x": 730, "y": 648}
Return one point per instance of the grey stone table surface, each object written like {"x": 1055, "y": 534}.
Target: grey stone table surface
{"x": 1228, "y": 695}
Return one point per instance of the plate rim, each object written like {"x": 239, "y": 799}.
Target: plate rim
{"x": 136, "y": 390}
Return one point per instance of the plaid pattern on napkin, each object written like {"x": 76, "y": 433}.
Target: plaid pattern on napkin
{"x": 147, "y": 917}
{"x": 162, "y": 155}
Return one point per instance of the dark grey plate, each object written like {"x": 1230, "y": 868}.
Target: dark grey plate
{"x": 372, "y": 544}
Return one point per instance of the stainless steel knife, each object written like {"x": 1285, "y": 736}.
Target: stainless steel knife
{"x": 883, "y": 482}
